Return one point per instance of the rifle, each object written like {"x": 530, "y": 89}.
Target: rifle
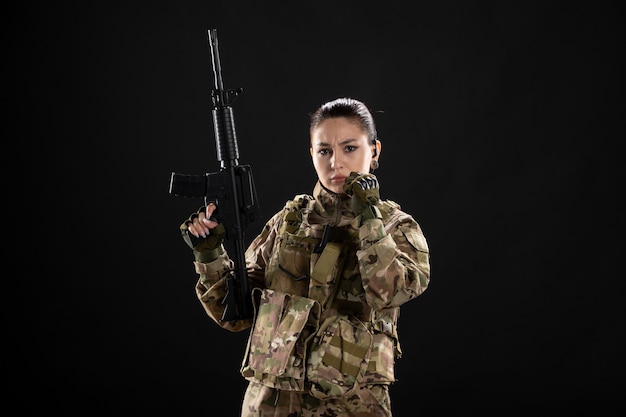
{"x": 231, "y": 188}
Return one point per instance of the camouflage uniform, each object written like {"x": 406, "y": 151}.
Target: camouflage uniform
{"x": 324, "y": 338}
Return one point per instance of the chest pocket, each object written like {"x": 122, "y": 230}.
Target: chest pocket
{"x": 290, "y": 267}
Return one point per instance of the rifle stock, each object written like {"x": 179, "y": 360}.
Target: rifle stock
{"x": 231, "y": 188}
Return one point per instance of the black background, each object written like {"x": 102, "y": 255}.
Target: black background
{"x": 500, "y": 123}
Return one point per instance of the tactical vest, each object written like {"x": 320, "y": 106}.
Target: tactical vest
{"x": 312, "y": 324}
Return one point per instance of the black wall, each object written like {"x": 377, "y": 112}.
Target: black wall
{"x": 500, "y": 124}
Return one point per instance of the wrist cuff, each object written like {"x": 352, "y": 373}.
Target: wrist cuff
{"x": 207, "y": 256}
{"x": 371, "y": 212}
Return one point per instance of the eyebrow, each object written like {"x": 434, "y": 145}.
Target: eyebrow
{"x": 343, "y": 142}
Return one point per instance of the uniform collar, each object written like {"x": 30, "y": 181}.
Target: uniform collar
{"x": 331, "y": 208}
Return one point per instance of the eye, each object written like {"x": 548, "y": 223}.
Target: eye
{"x": 350, "y": 148}
{"x": 323, "y": 151}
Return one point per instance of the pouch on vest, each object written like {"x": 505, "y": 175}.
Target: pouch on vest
{"x": 276, "y": 351}
{"x": 324, "y": 273}
{"x": 339, "y": 358}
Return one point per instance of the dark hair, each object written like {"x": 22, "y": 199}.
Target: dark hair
{"x": 349, "y": 108}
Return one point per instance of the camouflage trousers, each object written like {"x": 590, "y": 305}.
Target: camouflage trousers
{"x": 367, "y": 401}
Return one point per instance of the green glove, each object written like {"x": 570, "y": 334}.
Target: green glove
{"x": 365, "y": 193}
{"x": 209, "y": 244}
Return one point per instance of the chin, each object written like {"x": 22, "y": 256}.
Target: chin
{"x": 337, "y": 189}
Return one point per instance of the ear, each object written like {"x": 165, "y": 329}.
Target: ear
{"x": 377, "y": 148}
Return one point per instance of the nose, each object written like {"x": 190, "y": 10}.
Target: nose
{"x": 335, "y": 161}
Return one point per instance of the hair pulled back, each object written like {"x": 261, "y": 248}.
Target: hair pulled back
{"x": 349, "y": 108}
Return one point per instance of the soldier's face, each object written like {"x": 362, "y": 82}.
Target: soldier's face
{"x": 339, "y": 147}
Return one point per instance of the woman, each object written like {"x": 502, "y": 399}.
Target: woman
{"x": 328, "y": 274}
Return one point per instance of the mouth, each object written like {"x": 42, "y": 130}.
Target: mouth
{"x": 338, "y": 179}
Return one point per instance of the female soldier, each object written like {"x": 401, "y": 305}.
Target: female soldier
{"x": 328, "y": 274}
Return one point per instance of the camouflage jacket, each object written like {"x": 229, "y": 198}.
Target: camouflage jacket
{"x": 322, "y": 314}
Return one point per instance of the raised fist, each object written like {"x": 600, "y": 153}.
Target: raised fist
{"x": 364, "y": 190}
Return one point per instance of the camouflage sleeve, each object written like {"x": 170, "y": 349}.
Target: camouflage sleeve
{"x": 260, "y": 250}
{"x": 394, "y": 261}
{"x": 211, "y": 290}
{"x": 211, "y": 284}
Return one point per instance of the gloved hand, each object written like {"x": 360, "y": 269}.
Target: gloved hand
{"x": 201, "y": 231}
{"x": 364, "y": 190}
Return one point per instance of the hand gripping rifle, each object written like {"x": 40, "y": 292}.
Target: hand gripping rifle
{"x": 232, "y": 189}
